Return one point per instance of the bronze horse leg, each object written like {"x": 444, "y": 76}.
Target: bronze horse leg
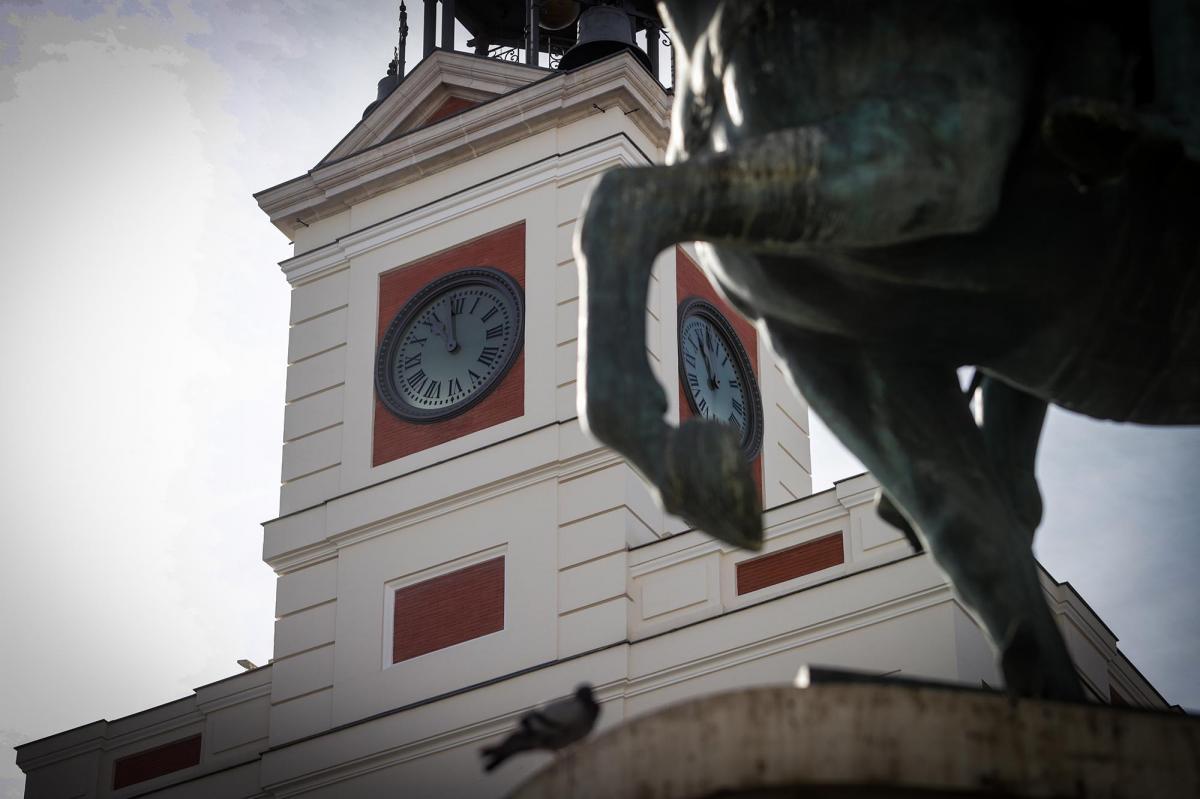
{"x": 1011, "y": 426}
{"x": 698, "y": 469}
{"x": 907, "y": 422}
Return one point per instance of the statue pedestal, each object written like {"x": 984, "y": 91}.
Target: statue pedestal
{"x": 880, "y": 738}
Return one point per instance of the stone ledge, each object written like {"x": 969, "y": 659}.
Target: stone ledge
{"x": 877, "y": 737}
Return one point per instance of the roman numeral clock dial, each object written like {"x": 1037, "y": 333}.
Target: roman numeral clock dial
{"x": 450, "y": 345}
{"x": 718, "y": 380}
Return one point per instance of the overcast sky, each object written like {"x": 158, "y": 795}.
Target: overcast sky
{"x": 143, "y": 322}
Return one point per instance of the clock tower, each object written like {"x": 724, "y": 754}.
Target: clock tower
{"x": 448, "y": 535}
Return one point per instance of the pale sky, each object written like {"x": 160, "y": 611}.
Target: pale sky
{"x": 143, "y": 321}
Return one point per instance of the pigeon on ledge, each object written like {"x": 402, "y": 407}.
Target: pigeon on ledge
{"x": 556, "y": 725}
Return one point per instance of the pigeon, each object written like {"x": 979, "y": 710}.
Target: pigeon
{"x": 556, "y": 725}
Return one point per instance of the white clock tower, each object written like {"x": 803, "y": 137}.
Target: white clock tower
{"x": 439, "y": 576}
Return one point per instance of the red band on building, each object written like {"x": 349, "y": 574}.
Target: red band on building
{"x": 156, "y": 762}
{"x": 790, "y": 563}
{"x": 449, "y": 609}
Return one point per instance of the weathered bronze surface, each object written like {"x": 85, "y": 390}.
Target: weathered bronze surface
{"x": 893, "y": 190}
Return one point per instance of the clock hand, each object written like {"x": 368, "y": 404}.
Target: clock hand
{"x": 437, "y": 326}
{"x": 440, "y": 328}
{"x": 707, "y": 365}
{"x": 704, "y": 355}
{"x": 451, "y": 342}
{"x": 713, "y": 382}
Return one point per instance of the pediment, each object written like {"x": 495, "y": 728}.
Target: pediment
{"x": 397, "y": 143}
{"x": 443, "y": 85}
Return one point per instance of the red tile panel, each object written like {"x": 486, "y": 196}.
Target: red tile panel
{"x": 787, "y": 564}
{"x": 393, "y": 437}
{"x": 447, "y": 610}
{"x": 449, "y": 107}
{"x": 156, "y": 762}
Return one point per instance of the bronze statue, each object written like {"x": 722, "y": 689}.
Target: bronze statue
{"x": 893, "y": 190}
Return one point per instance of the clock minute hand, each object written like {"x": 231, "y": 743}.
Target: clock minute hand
{"x": 451, "y": 341}
{"x": 704, "y": 356}
{"x": 713, "y": 382}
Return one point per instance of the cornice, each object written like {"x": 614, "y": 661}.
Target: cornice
{"x": 238, "y": 697}
{"x": 707, "y": 545}
{"x": 616, "y": 689}
{"x": 616, "y": 83}
{"x": 1071, "y": 607}
{"x": 581, "y": 163}
{"x": 792, "y": 639}
{"x": 334, "y": 540}
{"x": 442, "y": 68}
{"x": 394, "y": 756}
{"x": 695, "y": 543}
{"x": 473, "y": 733}
{"x": 696, "y": 550}
{"x": 106, "y": 741}
{"x": 108, "y": 735}
{"x": 31, "y": 762}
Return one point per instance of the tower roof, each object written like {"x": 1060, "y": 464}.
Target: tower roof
{"x": 453, "y": 107}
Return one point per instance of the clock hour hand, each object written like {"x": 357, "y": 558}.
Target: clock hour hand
{"x": 444, "y": 330}
{"x": 713, "y": 382}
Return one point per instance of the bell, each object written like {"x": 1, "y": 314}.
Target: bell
{"x": 603, "y": 30}
{"x": 554, "y": 15}
{"x": 385, "y": 87}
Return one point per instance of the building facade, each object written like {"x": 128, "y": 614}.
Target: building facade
{"x": 440, "y": 574}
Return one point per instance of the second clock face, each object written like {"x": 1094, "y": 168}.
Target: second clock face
{"x": 450, "y": 344}
{"x": 718, "y": 380}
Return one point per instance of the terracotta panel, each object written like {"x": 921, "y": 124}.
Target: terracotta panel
{"x": 393, "y": 437}
{"x": 690, "y": 281}
{"x": 449, "y": 107}
{"x": 790, "y": 563}
{"x": 156, "y": 762}
{"x": 448, "y": 610}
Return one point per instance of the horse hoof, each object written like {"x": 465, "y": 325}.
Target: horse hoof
{"x": 888, "y": 511}
{"x": 708, "y": 482}
{"x": 1031, "y": 672}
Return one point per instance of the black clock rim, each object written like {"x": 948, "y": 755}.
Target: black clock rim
{"x": 385, "y": 387}
{"x": 698, "y": 306}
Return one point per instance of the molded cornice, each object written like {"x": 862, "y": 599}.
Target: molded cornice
{"x": 566, "y": 167}
{"x": 616, "y": 83}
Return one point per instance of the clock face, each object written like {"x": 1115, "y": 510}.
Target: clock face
{"x": 450, "y": 344}
{"x": 718, "y": 380}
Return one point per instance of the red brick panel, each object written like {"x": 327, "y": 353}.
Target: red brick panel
{"x": 156, "y": 762}
{"x": 449, "y": 107}
{"x": 448, "y": 610}
{"x": 790, "y": 563}
{"x": 393, "y": 437}
{"x": 690, "y": 281}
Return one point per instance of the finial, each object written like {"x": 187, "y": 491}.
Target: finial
{"x": 399, "y": 59}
